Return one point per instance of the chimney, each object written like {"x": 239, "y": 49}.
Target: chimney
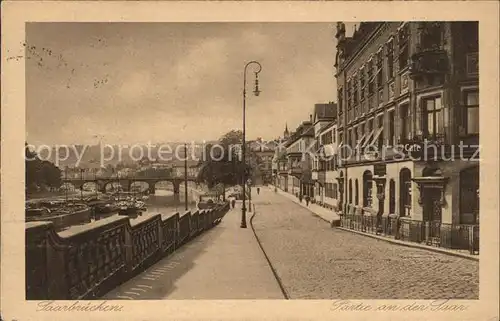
{"x": 310, "y": 118}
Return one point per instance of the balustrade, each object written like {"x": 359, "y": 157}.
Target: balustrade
{"x": 85, "y": 262}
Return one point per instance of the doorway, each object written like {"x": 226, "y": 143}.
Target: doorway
{"x": 432, "y": 210}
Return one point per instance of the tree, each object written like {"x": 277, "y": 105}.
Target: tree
{"x": 40, "y": 173}
{"x": 224, "y": 165}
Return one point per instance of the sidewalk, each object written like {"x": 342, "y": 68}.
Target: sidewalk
{"x": 325, "y": 214}
{"x": 330, "y": 216}
{"x": 223, "y": 263}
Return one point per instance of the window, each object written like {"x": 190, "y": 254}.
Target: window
{"x": 405, "y": 192}
{"x": 350, "y": 191}
{"x": 367, "y": 189}
{"x": 470, "y": 36}
{"x": 403, "y": 36}
{"x": 469, "y": 196}
{"x": 433, "y": 119}
{"x": 380, "y": 68}
{"x": 356, "y": 187}
{"x": 362, "y": 76}
{"x": 326, "y": 138}
{"x": 354, "y": 137}
{"x": 405, "y": 122}
{"x": 340, "y": 99}
{"x": 370, "y": 78}
{"x": 390, "y": 59}
{"x": 431, "y": 35}
{"x": 355, "y": 90}
{"x": 392, "y": 196}
{"x": 392, "y": 134}
{"x": 349, "y": 95}
{"x": 471, "y": 116}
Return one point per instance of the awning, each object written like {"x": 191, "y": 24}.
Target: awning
{"x": 377, "y": 134}
{"x": 360, "y": 142}
{"x": 368, "y": 138}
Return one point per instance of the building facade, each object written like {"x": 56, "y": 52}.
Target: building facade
{"x": 325, "y": 163}
{"x": 264, "y": 154}
{"x": 299, "y": 151}
{"x": 408, "y": 96}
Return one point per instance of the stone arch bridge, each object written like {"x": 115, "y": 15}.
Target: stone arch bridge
{"x": 126, "y": 183}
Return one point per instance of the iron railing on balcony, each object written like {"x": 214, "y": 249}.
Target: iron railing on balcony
{"x": 428, "y": 62}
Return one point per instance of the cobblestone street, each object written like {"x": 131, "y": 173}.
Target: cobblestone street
{"x": 315, "y": 261}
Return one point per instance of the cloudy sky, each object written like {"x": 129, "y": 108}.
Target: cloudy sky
{"x": 156, "y": 82}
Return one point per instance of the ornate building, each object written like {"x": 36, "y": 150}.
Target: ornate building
{"x": 408, "y": 96}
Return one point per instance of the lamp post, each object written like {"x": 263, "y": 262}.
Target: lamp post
{"x": 185, "y": 178}
{"x": 256, "y": 93}
{"x": 81, "y": 188}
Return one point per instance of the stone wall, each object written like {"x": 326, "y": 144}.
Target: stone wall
{"x": 86, "y": 261}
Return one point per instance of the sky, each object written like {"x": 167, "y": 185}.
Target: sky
{"x": 126, "y": 83}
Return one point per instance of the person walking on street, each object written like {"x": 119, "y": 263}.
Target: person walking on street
{"x": 258, "y": 190}
{"x": 300, "y": 198}
{"x": 233, "y": 202}
{"x": 307, "y": 200}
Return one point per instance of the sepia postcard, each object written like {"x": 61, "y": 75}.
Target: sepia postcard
{"x": 250, "y": 160}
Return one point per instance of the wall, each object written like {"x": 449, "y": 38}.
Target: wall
{"x": 87, "y": 261}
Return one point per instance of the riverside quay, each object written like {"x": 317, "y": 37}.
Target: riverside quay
{"x": 360, "y": 184}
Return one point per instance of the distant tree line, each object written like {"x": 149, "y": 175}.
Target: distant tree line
{"x": 40, "y": 174}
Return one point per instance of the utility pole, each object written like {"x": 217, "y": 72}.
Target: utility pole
{"x": 66, "y": 185}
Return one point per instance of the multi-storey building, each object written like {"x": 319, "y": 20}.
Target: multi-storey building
{"x": 299, "y": 156}
{"x": 280, "y": 162}
{"x": 324, "y": 171}
{"x": 410, "y": 91}
{"x": 264, "y": 153}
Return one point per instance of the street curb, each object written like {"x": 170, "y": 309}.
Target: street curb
{"x": 331, "y": 223}
{"x": 412, "y": 245}
{"x": 276, "y": 276}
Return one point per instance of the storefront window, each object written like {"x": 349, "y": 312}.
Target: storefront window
{"x": 357, "y": 192}
{"x": 405, "y": 192}
{"x": 367, "y": 189}
{"x": 392, "y": 196}
{"x": 350, "y": 191}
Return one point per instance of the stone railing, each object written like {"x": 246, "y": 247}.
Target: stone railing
{"x": 89, "y": 260}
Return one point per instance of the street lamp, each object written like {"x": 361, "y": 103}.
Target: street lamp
{"x": 256, "y": 93}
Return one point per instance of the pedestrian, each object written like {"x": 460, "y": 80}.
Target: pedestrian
{"x": 233, "y": 202}
{"x": 300, "y": 198}
{"x": 258, "y": 190}
{"x": 307, "y": 200}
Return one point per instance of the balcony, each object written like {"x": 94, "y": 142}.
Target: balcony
{"x": 322, "y": 177}
{"x": 428, "y": 62}
{"x": 295, "y": 171}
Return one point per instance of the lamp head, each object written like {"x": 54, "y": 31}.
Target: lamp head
{"x": 256, "y": 92}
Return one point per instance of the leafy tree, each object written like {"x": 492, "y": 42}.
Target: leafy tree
{"x": 40, "y": 173}
{"x": 224, "y": 165}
